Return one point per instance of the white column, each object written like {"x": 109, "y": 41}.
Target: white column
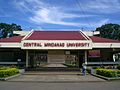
{"x": 26, "y": 58}
{"x": 85, "y": 57}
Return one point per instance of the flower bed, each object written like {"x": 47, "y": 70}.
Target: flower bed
{"x": 5, "y": 72}
{"x": 108, "y": 73}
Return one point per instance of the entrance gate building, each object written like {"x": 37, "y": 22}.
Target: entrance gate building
{"x": 68, "y": 48}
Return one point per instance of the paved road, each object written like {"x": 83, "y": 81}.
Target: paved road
{"x": 114, "y": 85}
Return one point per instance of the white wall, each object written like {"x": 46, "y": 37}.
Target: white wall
{"x": 105, "y": 45}
{"x": 10, "y": 45}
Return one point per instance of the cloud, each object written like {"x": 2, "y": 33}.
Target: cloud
{"x": 94, "y": 24}
{"x": 46, "y": 13}
{"x": 54, "y": 16}
{"x": 101, "y": 6}
{"x": 102, "y": 22}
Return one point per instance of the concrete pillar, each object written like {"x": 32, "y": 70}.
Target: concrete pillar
{"x": 26, "y": 58}
{"x": 85, "y": 57}
{"x": 79, "y": 60}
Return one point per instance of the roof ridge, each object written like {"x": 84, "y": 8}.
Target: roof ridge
{"x": 57, "y": 31}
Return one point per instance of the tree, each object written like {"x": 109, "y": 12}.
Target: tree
{"x": 110, "y": 30}
{"x": 3, "y": 33}
{"x": 6, "y": 30}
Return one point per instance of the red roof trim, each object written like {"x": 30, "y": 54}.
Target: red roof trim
{"x": 11, "y": 39}
{"x": 96, "y": 39}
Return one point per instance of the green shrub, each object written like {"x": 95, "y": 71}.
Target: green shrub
{"x": 118, "y": 66}
{"x": 95, "y": 67}
{"x": 118, "y": 71}
{"x": 118, "y": 75}
{"x": 8, "y": 72}
{"x": 3, "y": 67}
{"x": 106, "y": 72}
{"x": 88, "y": 70}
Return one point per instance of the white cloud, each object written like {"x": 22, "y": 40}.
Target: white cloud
{"x": 102, "y": 6}
{"x": 95, "y": 25}
{"x": 105, "y": 21}
{"x": 45, "y": 13}
{"x": 54, "y": 16}
{"x": 99, "y": 23}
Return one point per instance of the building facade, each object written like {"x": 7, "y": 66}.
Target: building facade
{"x": 66, "y": 48}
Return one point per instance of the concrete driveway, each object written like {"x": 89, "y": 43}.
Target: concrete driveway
{"x": 55, "y": 77}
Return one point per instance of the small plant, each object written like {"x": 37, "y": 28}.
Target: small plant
{"x": 118, "y": 66}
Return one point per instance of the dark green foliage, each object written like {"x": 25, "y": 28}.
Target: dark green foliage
{"x": 8, "y": 72}
{"x": 10, "y": 27}
{"x": 106, "y": 72}
{"x": 118, "y": 66}
{"x": 111, "y": 31}
{"x": 88, "y": 70}
{"x": 118, "y": 73}
{"x": 6, "y": 30}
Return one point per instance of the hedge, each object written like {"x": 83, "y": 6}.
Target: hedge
{"x": 3, "y": 68}
{"x": 106, "y": 72}
{"x": 8, "y": 72}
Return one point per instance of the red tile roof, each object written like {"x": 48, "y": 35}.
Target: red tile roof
{"x": 12, "y": 39}
{"x": 96, "y": 39}
{"x": 56, "y": 35}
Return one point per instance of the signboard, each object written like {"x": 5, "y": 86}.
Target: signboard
{"x": 94, "y": 53}
{"x": 55, "y": 44}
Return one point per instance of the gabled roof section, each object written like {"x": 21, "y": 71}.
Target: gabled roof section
{"x": 13, "y": 39}
{"x": 57, "y": 35}
{"x": 96, "y": 39}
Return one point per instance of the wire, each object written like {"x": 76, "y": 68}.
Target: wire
{"x": 83, "y": 12}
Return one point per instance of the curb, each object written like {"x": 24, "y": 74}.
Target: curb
{"x": 55, "y": 81}
{"x": 106, "y": 78}
{"x": 6, "y": 78}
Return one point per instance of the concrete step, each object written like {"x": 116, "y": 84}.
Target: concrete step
{"x": 52, "y": 73}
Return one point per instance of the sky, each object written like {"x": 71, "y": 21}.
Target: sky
{"x": 60, "y": 14}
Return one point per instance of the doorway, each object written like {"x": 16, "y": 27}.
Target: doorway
{"x": 37, "y": 58}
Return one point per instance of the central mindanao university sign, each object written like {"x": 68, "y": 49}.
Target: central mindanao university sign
{"x": 56, "y": 45}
